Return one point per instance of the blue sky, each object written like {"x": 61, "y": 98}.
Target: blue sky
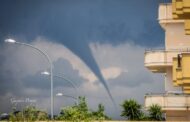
{"x": 81, "y": 36}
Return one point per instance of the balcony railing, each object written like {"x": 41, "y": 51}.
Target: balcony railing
{"x": 165, "y": 13}
{"x": 171, "y": 101}
{"x": 157, "y": 60}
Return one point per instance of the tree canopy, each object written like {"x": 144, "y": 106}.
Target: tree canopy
{"x": 131, "y": 109}
{"x": 81, "y": 112}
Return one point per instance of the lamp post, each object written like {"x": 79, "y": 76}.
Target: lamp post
{"x": 61, "y": 94}
{"x": 12, "y": 41}
{"x": 64, "y": 78}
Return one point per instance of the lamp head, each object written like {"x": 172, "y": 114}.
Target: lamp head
{"x": 45, "y": 73}
{"x": 59, "y": 94}
{"x": 10, "y": 41}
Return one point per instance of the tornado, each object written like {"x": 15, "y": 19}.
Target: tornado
{"x": 84, "y": 53}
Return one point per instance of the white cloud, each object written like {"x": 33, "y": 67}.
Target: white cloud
{"x": 112, "y": 72}
{"x": 126, "y": 56}
{"x": 108, "y": 73}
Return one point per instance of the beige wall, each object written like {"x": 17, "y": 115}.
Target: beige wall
{"x": 175, "y": 37}
{"x": 169, "y": 82}
{"x": 178, "y": 115}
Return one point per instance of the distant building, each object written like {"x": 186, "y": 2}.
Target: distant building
{"x": 173, "y": 61}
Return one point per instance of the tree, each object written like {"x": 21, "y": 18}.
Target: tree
{"x": 155, "y": 112}
{"x": 83, "y": 109}
{"x": 69, "y": 113}
{"x": 29, "y": 114}
{"x": 131, "y": 110}
{"x": 16, "y": 117}
{"x": 100, "y": 113}
{"x": 81, "y": 112}
{"x": 78, "y": 112}
{"x": 42, "y": 115}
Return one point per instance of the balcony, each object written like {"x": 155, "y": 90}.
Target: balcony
{"x": 168, "y": 102}
{"x": 165, "y": 11}
{"x": 165, "y": 15}
{"x": 158, "y": 60}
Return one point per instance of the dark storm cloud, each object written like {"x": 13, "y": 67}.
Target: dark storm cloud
{"x": 37, "y": 81}
{"x": 8, "y": 82}
{"x": 78, "y": 21}
{"x": 64, "y": 68}
{"x": 11, "y": 83}
{"x": 75, "y": 24}
{"x": 8, "y": 79}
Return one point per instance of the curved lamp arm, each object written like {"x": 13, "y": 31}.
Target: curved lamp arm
{"x": 71, "y": 82}
{"x": 69, "y": 96}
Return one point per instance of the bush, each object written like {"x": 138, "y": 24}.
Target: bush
{"x": 29, "y": 114}
{"x": 155, "y": 112}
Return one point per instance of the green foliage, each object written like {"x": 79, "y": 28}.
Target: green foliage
{"x": 29, "y": 114}
{"x": 155, "y": 112}
{"x": 83, "y": 109}
{"x": 99, "y": 114}
{"x": 131, "y": 110}
{"x": 143, "y": 117}
{"x": 77, "y": 112}
{"x": 69, "y": 113}
{"x": 16, "y": 117}
{"x": 81, "y": 112}
{"x": 42, "y": 115}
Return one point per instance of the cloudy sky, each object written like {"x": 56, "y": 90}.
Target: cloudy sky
{"x": 97, "y": 43}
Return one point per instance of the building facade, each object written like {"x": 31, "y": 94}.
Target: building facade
{"x": 173, "y": 61}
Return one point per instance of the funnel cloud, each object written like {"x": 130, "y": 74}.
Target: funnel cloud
{"x": 78, "y": 23}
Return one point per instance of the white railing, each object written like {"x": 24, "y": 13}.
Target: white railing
{"x": 169, "y": 101}
{"x": 162, "y": 57}
{"x": 165, "y": 14}
{"x": 165, "y": 11}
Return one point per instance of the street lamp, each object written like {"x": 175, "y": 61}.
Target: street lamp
{"x": 64, "y": 78}
{"x": 61, "y": 94}
{"x": 12, "y": 41}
